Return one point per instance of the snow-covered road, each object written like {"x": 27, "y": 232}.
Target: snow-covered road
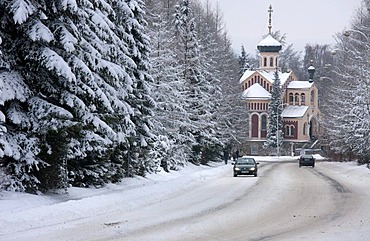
{"x": 329, "y": 202}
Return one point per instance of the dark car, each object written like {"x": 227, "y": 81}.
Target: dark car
{"x": 306, "y": 160}
{"x": 245, "y": 166}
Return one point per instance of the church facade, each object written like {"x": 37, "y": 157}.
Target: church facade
{"x": 299, "y": 101}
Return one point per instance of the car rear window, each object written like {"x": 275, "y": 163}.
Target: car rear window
{"x": 245, "y": 161}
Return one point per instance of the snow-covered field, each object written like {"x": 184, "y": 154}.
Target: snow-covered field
{"x": 24, "y": 216}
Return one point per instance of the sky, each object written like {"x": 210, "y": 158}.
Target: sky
{"x": 314, "y": 21}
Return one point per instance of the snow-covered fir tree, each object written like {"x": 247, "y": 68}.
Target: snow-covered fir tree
{"x": 19, "y": 142}
{"x": 347, "y": 102}
{"x": 200, "y": 127}
{"x": 140, "y": 143}
{"x": 85, "y": 66}
{"x": 168, "y": 91}
{"x": 275, "y": 124}
{"x": 243, "y": 61}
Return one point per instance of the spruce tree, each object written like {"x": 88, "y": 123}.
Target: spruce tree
{"x": 275, "y": 123}
{"x": 168, "y": 86}
{"x": 243, "y": 61}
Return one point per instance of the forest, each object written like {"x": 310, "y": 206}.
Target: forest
{"x": 94, "y": 91}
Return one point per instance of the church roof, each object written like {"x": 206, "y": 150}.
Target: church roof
{"x": 294, "y": 111}
{"x": 300, "y": 85}
{"x": 269, "y": 44}
{"x": 256, "y": 91}
{"x": 268, "y": 75}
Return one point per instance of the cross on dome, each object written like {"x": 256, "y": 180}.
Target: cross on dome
{"x": 270, "y": 20}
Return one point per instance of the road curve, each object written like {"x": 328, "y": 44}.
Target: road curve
{"x": 286, "y": 203}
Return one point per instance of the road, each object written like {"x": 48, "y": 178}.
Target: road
{"x": 284, "y": 202}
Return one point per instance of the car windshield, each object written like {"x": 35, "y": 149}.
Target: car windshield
{"x": 245, "y": 161}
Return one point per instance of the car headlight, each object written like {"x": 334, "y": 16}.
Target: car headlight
{"x": 252, "y": 169}
{"x": 237, "y": 169}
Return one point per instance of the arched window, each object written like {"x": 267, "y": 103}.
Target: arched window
{"x": 264, "y": 123}
{"x": 305, "y": 129}
{"x": 276, "y": 61}
{"x": 255, "y": 120}
{"x": 303, "y": 99}
{"x": 312, "y": 97}
{"x": 291, "y": 100}
{"x": 289, "y": 130}
{"x": 296, "y": 99}
{"x": 264, "y": 61}
{"x": 292, "y": 130}
{"x": 271, "y": 62}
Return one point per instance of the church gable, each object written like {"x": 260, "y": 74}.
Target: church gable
{"x": 256, "y": 91}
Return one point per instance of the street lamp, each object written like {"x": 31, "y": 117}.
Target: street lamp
{"x": 348, "y": 32}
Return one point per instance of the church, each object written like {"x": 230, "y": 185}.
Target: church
{"x": 299, "y": 101}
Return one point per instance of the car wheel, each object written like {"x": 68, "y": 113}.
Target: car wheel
{"x": 235, "y": 175}
{"x": 255, "y": 174}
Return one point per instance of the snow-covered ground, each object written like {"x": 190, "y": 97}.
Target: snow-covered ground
{"x": 22, "y": 213}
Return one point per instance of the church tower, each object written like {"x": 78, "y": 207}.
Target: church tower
{"x": 269, "y": 49}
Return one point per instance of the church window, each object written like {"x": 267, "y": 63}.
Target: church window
{"x": 305, "y": 129}
{"x": 263, "y": 123}
{"x": 276, "y": 61}
{"x": 303, "y": 99}
{"x": 289, "y": 130}
{"x": 291, "y": 100}
{"x": 264, "y": 61}
{"x": 296, "y": 99}
{"x": 292, "y": 130}
{"x": 312, "y": 97}
{"x": 271, "y": 62}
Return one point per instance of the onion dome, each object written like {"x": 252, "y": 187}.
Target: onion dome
{"x": 269, "y": 44}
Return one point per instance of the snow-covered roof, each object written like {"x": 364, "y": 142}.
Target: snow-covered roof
{"x": 269, "y": 41}
{"x": 300, "y": 85}
{"x": 256, "y": 91}
{"x": 311, "y": 67}
{"x": 246, "y": 75}
{"x": 268, "y": 75}
{"x": 294, "y": 111}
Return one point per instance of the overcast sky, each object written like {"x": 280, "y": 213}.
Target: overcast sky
{"x": 313, "y": 21}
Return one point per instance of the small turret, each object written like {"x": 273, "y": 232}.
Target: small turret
{"x": 311, "y": 72}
